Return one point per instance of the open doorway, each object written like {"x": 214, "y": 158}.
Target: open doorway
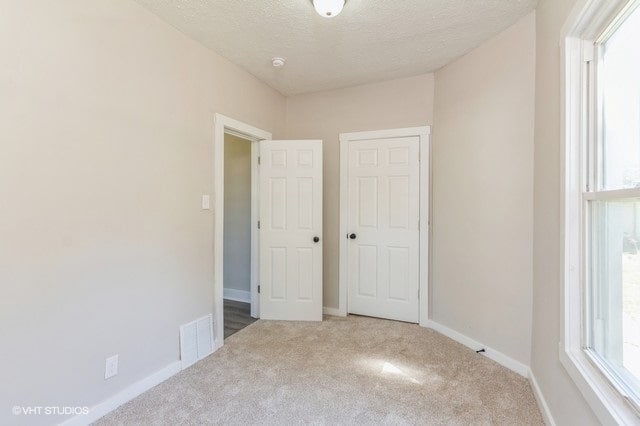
{"x": 285, "y": 225}
{"x": 230, "y": 131}
{"x": 237, "y": 234}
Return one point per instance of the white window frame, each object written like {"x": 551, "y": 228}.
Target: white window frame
{"x": 588, "y": 20}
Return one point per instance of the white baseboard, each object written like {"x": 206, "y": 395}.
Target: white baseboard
{"x": 332, "y": 311}
{"x": 237, "y": 295}
{"x": 124, "y": 396}
{"x": 503, "y": 360}
{"x": 493, "y": 354}
{"x": 542, "y": 402}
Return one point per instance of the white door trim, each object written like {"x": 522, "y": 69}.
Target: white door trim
{"x": 222, "y": 125}
{"x": 422, "y": 133}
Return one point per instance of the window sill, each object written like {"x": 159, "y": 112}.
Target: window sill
{"x": 608, "y": 405}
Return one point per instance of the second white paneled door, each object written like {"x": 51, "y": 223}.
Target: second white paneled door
{"x": 383, "y": 238}
{"x": 291, "y": 230}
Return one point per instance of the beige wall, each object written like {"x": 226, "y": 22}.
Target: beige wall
{"x": 564, "y": 399}
{"x": 483, "y": 192}
{"x": 237, "y": 213}
{"x": 107, "y": 120}
{"x": 405, "y": 102}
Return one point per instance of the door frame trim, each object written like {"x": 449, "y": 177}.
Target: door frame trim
{"x": 423, "y": 133}
{"x": 222, "y": 125}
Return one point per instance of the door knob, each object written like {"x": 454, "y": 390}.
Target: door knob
{"x": 316, "y": 239}
{"x": 352, "y": 236}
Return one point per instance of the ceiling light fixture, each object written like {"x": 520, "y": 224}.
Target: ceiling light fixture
{"x": 328, "y": 8}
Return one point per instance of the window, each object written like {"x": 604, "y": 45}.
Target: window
{"x": 601, "y": 334}
{"x": 613, "y": 224}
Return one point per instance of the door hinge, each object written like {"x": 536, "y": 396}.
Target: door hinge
{"x": 258, "y": 224}
{"x": 258, "y": 160}
{"x": 258, "y": 288}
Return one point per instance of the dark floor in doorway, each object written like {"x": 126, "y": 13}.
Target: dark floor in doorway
{"x": 237, "y": 315}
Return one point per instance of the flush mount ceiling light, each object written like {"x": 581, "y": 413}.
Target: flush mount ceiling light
{"x": 328, "y": 8}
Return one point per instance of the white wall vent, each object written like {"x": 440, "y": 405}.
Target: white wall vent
{"x": 196, "y": 340}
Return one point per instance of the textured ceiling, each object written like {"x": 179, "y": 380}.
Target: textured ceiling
{"x": 370, "y": 41}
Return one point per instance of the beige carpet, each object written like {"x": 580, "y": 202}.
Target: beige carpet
{"x": 352, "y": 370}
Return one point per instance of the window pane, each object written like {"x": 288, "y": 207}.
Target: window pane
{"x": 619, "y": 80}
{"x": 614, "y": 314}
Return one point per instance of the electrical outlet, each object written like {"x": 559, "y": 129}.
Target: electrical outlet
{"x": 111, "y": 367}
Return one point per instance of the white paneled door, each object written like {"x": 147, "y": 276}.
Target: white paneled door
{"x": 383, "y": 239}
{"x": 291, "y": 230}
